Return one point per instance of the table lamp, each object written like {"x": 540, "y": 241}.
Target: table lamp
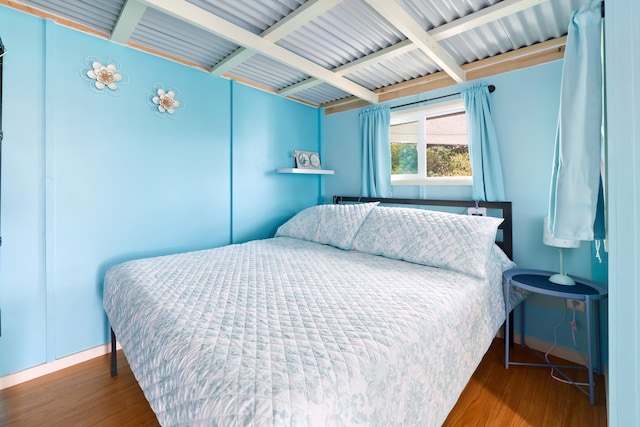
{"x": 549, "y": 240}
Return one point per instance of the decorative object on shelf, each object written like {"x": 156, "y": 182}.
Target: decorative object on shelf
{"x": 103, "y": 77}
{"x": 165, "y": 100}
{"x": 548, "y": 239}
{"x": 307, "y": 159}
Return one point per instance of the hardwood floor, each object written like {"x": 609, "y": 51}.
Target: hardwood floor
{"x": 86, "y": 395}
{"x": 83, "y": 395}
{"x": 525, "y": 396}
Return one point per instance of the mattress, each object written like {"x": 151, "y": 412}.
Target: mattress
{"x": 288, "y": 332}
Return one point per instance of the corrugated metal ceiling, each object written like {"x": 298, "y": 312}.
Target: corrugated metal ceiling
{"x": 321, "y": 51}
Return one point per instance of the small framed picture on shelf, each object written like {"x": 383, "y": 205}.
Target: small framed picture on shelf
{"x": 307, "y": 159}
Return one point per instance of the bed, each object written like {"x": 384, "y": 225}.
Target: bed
{"x": 361, "y": 312}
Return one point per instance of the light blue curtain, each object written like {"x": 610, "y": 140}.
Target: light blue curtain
{"x": 483, "y": 145}
{"x": 575, "y": 180}
{"x": 376, "y": 149}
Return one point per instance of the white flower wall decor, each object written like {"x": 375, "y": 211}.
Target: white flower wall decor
{"x": 103, "y": 76}
{"x": 165, "y": 101}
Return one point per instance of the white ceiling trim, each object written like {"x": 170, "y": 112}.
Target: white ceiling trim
{"x": 133, "y": 11}
{"x": 239, "y": 56}
{"x": 129, "y": 18}
{"x": 459, "y": 26}
{"x": 374, "y": 58}
{"x": 299, "y": 87}
{"x": 216, "y": 25}
{"x": 399, "y": 18}
{"x": 305, "y": 13}
{"x": 481, "y": 17}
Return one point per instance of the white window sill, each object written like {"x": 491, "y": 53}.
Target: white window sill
{"x": 452, "y": 180}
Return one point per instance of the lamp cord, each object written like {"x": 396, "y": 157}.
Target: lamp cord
{"x": 555, "y": 339}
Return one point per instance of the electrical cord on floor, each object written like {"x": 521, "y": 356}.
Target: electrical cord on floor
{"x": 555, "y": 339}
{"x": 574, "y": 328}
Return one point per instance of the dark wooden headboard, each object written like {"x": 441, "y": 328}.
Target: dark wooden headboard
{"x": 504, "y": 239}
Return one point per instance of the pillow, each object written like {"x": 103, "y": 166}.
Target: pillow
{"x": 456, "y": 242}
{"x": 335, "y": 225}
{"x": 304, "y": 225}
{"x": 339, "y": 224}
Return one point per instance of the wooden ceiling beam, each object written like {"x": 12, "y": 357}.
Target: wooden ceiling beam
{"x": 188, "y": 12}
{"x": 540, "y": 53}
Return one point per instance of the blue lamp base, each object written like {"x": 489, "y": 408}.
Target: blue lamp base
{"x": 562, "y": 279}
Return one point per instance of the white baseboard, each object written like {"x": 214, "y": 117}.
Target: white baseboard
{"x": 543, "y": 347}
{"x": 56, "y": 365}
{"x": 561, "y": 352}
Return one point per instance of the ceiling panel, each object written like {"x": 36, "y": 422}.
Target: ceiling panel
{"x": 433, "y": 13}
{"x": 320, "y": 94}
{"x": 100, "y": 15}
{"x": 166, "y": 33}
{"x": 345, "y": 33}
{"x": 252, "y": 15}
{"x": 395, "y": 70}
{"x": 267, "y": 72}
{"x": 350, "y": 40}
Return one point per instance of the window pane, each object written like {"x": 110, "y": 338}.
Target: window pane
{"x": 448, "y": 160}
{"x": 404, "y": 132}
{"x": 404, "y": 148}
{"x": 447, "y": 146}
{"x": 404, "y": 158}
{"x": 450, "y": 129}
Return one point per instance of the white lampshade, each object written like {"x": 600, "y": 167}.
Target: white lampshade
{"x": 549, "y": 240}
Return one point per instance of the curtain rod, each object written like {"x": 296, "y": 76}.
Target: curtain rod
{"x": 492, "y": 88}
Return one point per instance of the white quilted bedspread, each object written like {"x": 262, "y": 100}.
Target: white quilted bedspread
{"x": 284, "y": 332}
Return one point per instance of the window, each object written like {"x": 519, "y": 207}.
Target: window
{"x": 429, "y": 145}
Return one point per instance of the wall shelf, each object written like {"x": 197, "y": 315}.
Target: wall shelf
{"x": 305, "y": 171}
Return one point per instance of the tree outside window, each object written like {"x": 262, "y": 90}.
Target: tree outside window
{"x": 430, "y": 146}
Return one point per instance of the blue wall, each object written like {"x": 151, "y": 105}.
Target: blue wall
{"x": 22, "y": 297}
{"x": 91, "y": 179}
{"x": 525, "y": 109}
{"x": 262, "y": 144}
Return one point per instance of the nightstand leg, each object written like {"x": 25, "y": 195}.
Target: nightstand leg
{"x": 507, "y": 323}
{"x": 522, "y": 323}
{"x": 588, "y": 304}
{"x": 506, "y": 343}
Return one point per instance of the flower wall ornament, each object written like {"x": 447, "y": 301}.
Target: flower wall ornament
{"x": 103, "y": 76}
{"x": 165, "y": 100}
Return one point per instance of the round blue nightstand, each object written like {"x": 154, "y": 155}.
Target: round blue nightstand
{"x": 537, "y": 281}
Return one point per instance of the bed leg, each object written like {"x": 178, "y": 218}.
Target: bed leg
{"x": 114, "y": 358}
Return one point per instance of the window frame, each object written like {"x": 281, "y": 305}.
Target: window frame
{"x": 419, "y": 115}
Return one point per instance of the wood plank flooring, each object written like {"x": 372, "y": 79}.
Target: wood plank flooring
{"x": 86, "y": 395}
